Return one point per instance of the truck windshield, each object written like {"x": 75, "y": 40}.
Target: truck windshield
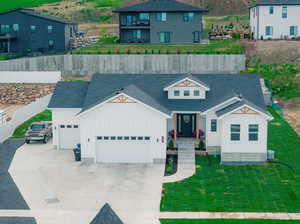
{"x": 37, "y": 127}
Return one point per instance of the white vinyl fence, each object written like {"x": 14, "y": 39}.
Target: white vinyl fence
{"x": 30, "y": 77}
{"x": 22, "y": 115}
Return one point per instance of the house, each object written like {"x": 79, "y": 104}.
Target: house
{"x": 275, "y": 19}
{"x": 161, "y": 21}
{"x": 25, "y": 30}
{"x": 106, "y": 216}
{"x": 127, "y": 118}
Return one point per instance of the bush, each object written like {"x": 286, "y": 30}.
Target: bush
{"x": 236, "y": 36}
{"x": 171, "y": 144}
{"x": 201, "y": 145}
{"x": 170, "y": 167}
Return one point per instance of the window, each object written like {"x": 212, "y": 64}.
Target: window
{"x": 126, "y": 138}
{"x": 196, "y": 93}
{"x": 186, "y": 93}
{"x": 293, "y": 30}
{"x": 269, "y": 30}
{"x": 120, "y": 138}
{"x": 144, "y": 16}
{"x": 213, "y": 125}
{"x": 99, "y": 138}
{"x": 253, "y": 132}
{"x": 33, "y": 28}
{"x": 50, "y": 29}
{"x": 147, "y": 138}
{"x": 284, "y": 12}
{"x": 4, "y": 29}
{"x": 254, "y": 12}
{"x": 196, "y": 37}
{"x": 106, "y": 138}
{"x": 140, "y": 138}
{"x": 133, "y": 138}
{"x": 16, "y": 27}
{"x": 62, "y": 126}
{"x": 131, "y": 20}
{"x": 137, "y": 34}
{"x": 271, "y": 10}
{"x": 75, "y": 126}
{"x": 165, "y": 37}
{"x": 161, "y": 16}
{"x": 112, "y": 137}
{"x": 235, "y": 132}
{"x": 188, "y": 17}
{"x": 69, "y": 126}
{"x": 176, "y": 93}
{"x": 51, "y": 44}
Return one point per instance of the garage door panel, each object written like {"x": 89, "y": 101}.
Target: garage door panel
{"x": 113, "y": 150}
{"x": 69, "y": 136}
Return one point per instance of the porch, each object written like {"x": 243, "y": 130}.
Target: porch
{"x": 5, "y": 42}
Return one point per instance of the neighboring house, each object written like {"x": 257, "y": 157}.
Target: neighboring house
{"x": 161, "y": 21}
{"x": 275, "y": 19}
{"x": 127, "y": 118}
{"x": 25, "y": 30}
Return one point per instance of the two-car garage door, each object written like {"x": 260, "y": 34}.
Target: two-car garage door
{"x": 123, "y": 149}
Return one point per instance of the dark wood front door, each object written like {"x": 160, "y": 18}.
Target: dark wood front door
{"x": 186, "y": 125}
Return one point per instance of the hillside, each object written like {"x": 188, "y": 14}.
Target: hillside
{"x": 89, "y": 10}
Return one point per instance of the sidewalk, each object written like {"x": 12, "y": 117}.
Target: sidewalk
{"x": 186, "y": 161}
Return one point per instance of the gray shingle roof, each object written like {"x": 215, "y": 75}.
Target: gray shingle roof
{"x": 32, "y": 12}
{"x": 276, "y": 2}
{"x": 238, "y": 104}
{"x": 106, "y": 216}
{"x": 102, "y": 86}
{"x": 161, "y": 6}
{"x": 69, "y": 95}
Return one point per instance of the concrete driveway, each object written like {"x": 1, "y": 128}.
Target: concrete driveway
{"x": 59, "y": 190}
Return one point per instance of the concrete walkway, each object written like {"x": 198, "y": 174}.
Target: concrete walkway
{"x": 228, "y": 215}
{"x": 186, "y": 161}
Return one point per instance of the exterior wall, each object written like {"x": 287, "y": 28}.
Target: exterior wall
{"x": 26, "y": 41}
{"x": 128, "y": 119}
{"x": 63, "y": 116}
{"x": 281, "y": 26}
{"x": 175, "y": 25}
{"x": 256, "y": 148}
{"x": 129, "y": 64}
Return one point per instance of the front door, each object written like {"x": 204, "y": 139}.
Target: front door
{"x": 186, "y": 125}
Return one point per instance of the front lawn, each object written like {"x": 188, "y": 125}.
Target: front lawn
{"x": 21, "y": 130}
{"x": 227, "y": 221}
{"x": 215, "y": 47}
{"x": 264, "y": 188}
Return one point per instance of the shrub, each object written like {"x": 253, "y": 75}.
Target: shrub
{"x": 170, "y": 167}
{"x": 201, "y": 145}
{"x": 171, "y": 144}
{"x": 236, "y": 36}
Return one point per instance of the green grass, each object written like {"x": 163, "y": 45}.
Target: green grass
{"x": 215, "y": 47}
{"x": 227, "y": 221}
{"x": 21, "y": 130}
{"x": 282, "y": 78}
{"x": 9, "y": 5}
{"x": 256, "y": 188}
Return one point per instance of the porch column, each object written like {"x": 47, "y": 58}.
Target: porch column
{"x": 175, "y": 126}
{"x": 197, "y": 125}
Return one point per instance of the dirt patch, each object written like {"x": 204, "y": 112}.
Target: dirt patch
{"x": 292, "y": 113}
{"x": 96, "y": 29}
{"x": 273, "y": 52}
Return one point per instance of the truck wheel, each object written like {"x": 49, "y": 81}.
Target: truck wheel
{"x": 27, "y": 141}
{"x": 45, "y": 140}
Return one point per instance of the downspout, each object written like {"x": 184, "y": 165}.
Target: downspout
{"x": 258, "y": 37}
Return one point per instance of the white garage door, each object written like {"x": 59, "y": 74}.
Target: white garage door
{"x": 123, "y": 149}
{"x": 69, "y": 136}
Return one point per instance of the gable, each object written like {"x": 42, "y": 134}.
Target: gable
{"x": 187, "y": 83}
{"x": 122, "y": 99}
{"x": 245, "y": 110}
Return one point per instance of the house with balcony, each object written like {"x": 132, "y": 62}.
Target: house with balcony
{"x": 275, "y": 19}
{"x": 161, "y": 21}
{"x": 128, "y": 118}
{"x": 25, "y": 31}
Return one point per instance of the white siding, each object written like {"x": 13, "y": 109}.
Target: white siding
{"x": 213, "y": 138}
{"x": 244, "y": 145}
{"x": 131, "y": 119}
{"x": 281, "y": 26}
{"x": 63, "y": 117}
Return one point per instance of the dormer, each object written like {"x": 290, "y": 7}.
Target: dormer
{"x": 187, "y": 88}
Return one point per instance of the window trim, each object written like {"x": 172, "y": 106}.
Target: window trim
{"x": 161, "y": 16}
{"x": 251, "y": 132}
{"x": 284, "y": 13}
{"x": 295, "y": 31}
{"x": 188, "y": 16}
{"x": 186, "y": 91}
{"x": 270, "y": 31}
{"x": 213, "y": 125}
{"x": 196, "y": 91}
{"x": 176, "y": 91}
{"x": 271, "y": 10}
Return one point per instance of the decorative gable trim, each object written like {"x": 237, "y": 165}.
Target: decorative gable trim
{"x": 245, "y": 110}
{"x": 187, "y": 82}
{"x": 122, "y": 99}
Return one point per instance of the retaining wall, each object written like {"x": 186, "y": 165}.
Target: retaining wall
{"x": 129, "y": 64}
